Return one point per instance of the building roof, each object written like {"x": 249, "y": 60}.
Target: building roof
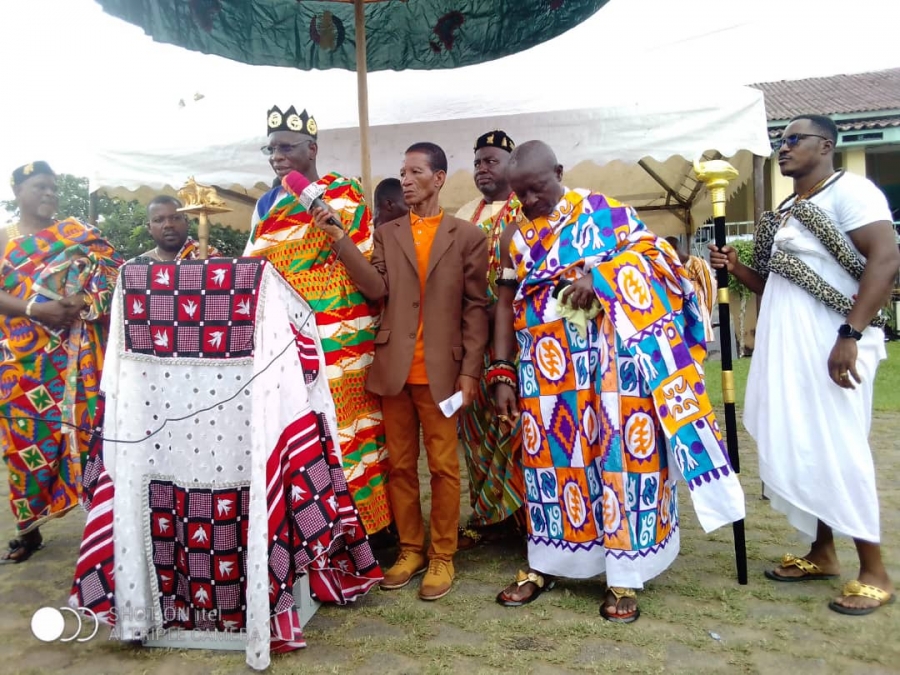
{"x": 835, "y": 95}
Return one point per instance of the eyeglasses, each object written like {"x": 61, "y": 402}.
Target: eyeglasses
{"x": 174, "y": 218}
{"x": 792, "y": 140}
{"x": 283, "y": 148}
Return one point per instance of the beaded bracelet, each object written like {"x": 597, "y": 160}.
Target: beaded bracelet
{"x": 29, "y": 305}
{"x": 501, "y": 378}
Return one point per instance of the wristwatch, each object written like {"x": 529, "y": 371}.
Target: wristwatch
{"x": 848, "y": 331}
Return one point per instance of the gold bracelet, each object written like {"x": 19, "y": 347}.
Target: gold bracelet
{"x": 29, "y": 305}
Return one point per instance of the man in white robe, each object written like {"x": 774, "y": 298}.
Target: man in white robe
{"x": 809, "y": 392}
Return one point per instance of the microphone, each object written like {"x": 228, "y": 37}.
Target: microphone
{"x": 309, "y": 194}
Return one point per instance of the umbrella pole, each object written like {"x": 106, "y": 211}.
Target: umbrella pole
{"x": 716, "y": 175}
{"x": 362, "y": 87}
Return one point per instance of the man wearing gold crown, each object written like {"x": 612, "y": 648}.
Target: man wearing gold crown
{"x": 281, "y": 231}
{"x": 56, "y": 283}
{"x": 491, "y": 445}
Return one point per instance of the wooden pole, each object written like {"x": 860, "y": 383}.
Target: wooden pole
{"x": 362, "y": 94}
{"x": 93, "y": 216}
{"x": 716, "y": 174}
{"x": 203, "y": 235}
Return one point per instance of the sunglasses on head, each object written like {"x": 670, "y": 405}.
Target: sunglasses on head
{"x": 792, "y": 140}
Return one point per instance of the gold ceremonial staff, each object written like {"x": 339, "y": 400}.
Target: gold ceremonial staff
{"x": 716, "y": 174}
{"x": 202, "y": 200}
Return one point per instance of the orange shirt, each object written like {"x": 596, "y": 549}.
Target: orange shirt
{"x": 423, "y": 231}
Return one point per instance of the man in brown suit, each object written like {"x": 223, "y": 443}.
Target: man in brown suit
{"x": 430, "y": 269}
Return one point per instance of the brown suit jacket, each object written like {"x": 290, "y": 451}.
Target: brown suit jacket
{"x": 454, "y": 316}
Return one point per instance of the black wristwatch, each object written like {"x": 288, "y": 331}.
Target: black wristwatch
{"x": 848, "y": 331}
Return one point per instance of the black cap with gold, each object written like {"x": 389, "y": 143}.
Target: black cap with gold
{"x": 23, "y": 173}
{"x": 291, "y": 120}
{"x": 495, "y": 139}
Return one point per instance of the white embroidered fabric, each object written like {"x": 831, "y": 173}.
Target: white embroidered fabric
{"x": 226, "y": 445}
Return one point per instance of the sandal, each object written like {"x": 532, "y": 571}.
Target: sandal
{"x": 467, "y": 539}
{"x": 541, "y": 584}
{"x": 857, "y": 589}
{"x": 22, "y": 549}
{"x": 619, "y": 594}
{"x": 811, "y": 571}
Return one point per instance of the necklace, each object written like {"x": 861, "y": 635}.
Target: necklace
{"x": 823, "y": 184}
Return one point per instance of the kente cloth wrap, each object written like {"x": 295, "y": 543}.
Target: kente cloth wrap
{"x": 191, "y": 250}
{"x": 302, "y": 253}
{"x": 496, "y": 488}
{"x": 604, "y": 418}
{"x": 50, "y": 379}
{"x": 226, "y": 509}
{"x": 792, "y": 268}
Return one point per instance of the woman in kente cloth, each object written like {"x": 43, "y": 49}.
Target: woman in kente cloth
{"x": 56, "y": 286}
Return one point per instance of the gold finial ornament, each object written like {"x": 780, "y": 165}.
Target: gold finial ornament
{"x": 202, "y": 200}
{"x": 716, "y": 174}
{"x": 194, "y": 195}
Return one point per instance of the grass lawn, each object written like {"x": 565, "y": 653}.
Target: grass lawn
{"x": 887, "y": 382}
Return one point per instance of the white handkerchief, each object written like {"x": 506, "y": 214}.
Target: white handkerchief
{"x": 451, "y": 405}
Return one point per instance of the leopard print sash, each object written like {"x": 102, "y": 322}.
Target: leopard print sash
{"x": 796, "y": 271}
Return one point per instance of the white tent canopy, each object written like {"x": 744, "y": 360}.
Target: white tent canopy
{"x": 600, "y": 136}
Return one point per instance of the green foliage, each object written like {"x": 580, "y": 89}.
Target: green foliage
{"x": 124, "y": 223}
{"x": 744, "y": 250}
{"x": 887, "y": 394}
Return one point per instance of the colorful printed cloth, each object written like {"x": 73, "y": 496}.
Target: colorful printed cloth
{"x": 346, "y": 323}
{"x": 210, "y": 522}
{"x": 496, "y": 487}
{"x": 50, "y": 379}
{"x": 704, "y": 283}
{"x": 603, "y": 416}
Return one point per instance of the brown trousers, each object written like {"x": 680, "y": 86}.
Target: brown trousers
{"x": 403, "y": 414}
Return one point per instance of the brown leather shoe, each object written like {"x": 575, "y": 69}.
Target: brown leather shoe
{"x": 438, "y": 580}
{"x": 409, "y": 564}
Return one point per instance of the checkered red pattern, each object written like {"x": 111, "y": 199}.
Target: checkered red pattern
{"x": 199, "y": 538}
{"x": 309, "y": 357}
{"x": 191, "y": 308}
{"x": 313, "y": 524}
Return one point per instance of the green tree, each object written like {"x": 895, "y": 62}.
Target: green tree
{"x": 124, "y": 223}
{"x": 744, "y": 250}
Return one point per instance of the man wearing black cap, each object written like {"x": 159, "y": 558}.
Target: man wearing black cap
{"x": 281, "y": 231}
{"x": 56, "y": 284}
{"x": 495, "y": 480}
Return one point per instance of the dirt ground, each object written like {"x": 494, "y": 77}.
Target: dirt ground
{"x": 695, "y": 617}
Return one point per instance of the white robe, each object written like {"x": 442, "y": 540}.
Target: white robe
{"x": 814, "y": 455}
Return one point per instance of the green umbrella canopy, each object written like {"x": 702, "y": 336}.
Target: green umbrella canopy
{"x": 321, "y": 34}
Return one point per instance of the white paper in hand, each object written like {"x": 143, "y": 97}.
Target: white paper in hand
{"x": 451, "y": 405}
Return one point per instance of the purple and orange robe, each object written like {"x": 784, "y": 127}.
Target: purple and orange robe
{"x": 612, "y": 414}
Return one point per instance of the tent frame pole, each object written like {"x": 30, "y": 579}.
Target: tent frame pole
{"x": 362, "y": 87}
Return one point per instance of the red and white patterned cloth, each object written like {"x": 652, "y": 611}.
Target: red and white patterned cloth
{"x": 208, "y": 523}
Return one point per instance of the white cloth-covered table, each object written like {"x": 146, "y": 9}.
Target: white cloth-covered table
{"x": 206, "y": 524}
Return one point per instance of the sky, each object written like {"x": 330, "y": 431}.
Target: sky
{"x": 75, "y": 79}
